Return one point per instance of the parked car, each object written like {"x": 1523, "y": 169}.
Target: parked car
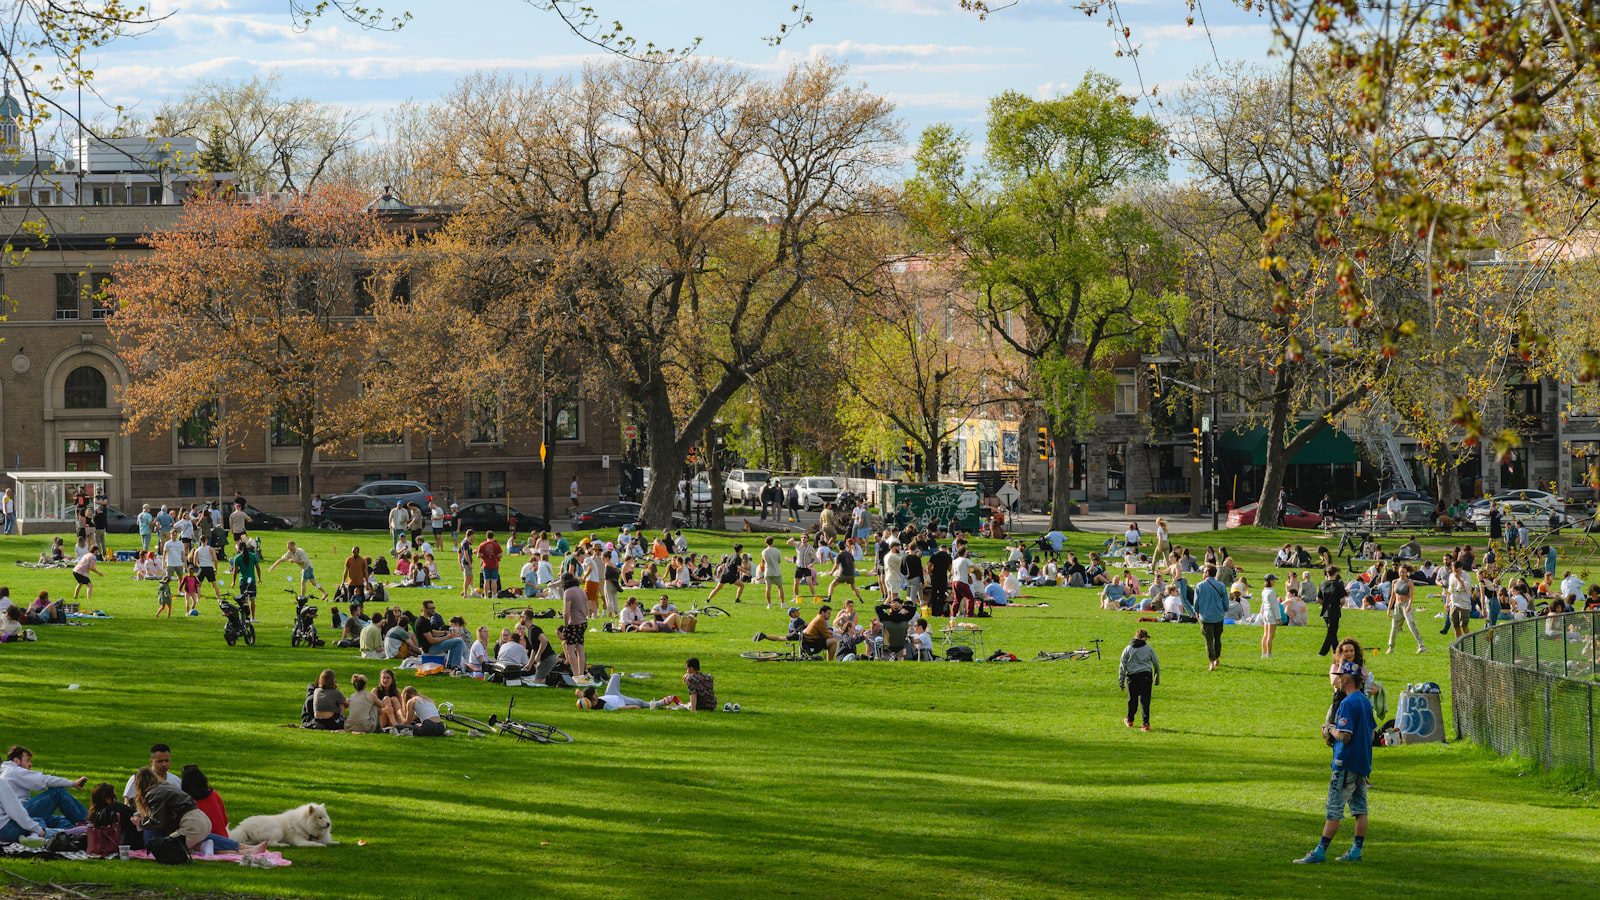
{"x": 354, "y": 511}
{"x": 817, "y": 491}
{"x": 745, "y": 485}
{"x": 117, "y": 521}
{"x": 1293, "y": 516}
{"x": 1409, "y": 513}
{"x": 263, "y": 521}
{"x": 1533, "y": 513}
{"x": 1352, "y": 509}
{"x": 1525, "y": 495}
{"x": 392, "y": 490}
{"x": 489, "y": 515}
{"x": 615, "y": 515}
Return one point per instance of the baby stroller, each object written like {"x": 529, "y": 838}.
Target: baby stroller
{"x": 305, "y": 626}
{"x": 235, "y": 624}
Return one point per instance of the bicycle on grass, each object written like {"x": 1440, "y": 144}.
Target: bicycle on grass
{"x": 1080, "y": 653}
{"x": 787, "y": 654}
{"x": 537, "y": 732}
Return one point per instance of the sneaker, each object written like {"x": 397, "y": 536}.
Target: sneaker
{"x": 1127, "y": 723}
{"x": 1144, "y": 728}
{"x": 1314, "y": 856}
{"x": 758, "y": 637}
{"x": 735, "y": 708}
{"x": 727, "y": 707}
{"x": 1422, "y": 649}
{"x": 1351, "y": 855}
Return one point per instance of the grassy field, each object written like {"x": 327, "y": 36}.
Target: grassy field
{"x": 847, "y": 779}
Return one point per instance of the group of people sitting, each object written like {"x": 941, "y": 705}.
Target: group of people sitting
{"x": 17, "y": 621}
{"x": 156, "y": 805}
{"x": 387, "y": 708}
{"x": 895, "y": 631}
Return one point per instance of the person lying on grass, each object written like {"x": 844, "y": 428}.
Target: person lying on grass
{"x": 614, "y": 700}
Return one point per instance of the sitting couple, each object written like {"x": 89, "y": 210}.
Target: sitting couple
{"x": 700, "y": 687}
{"x": 663, "y": 617}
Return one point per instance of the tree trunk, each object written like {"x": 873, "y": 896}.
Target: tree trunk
{"x": 1062, "y": 439}
{"x": 666, "y": 463}
{"x": 308, "y": 452}
{"x": 714, "y": 477}
{"x": 1277, "y": 463}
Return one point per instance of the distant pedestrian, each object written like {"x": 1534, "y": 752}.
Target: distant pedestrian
{"x": 1137, "y": 673}
{"x": 1330, "y": 597}
{"x": 573, "y": 493}
{"x": 793, "y": 498}
{"x": 1211, "y": 607}
{"x": 1350, "y": 735}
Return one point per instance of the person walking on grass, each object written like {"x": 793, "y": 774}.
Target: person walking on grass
{"x": 1137, "y": 673}
{"x": 1350, "y": 735}
{"x": 772, "y": 573}
{"x": 1211, "y": 607}
{"x": 1401, "y": 593}
{"x": 81, "y": 570}
{"x": 1330, "y": 597}
{"x": 731, "y": 571}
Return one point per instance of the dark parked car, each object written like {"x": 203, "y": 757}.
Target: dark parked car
{"x": 1351, "y": 509}
{"x": 354, "y": 511}
{"x": 264, "y": 521}
{"x": 487, "y": 515}
{"x": 117, "y": 521}
{"x": 615, "y": 515}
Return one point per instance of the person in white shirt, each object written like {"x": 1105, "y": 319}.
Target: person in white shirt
{"x": 161, "y": 764}
{"x": 920, "y": 640}
{"x": 436, "y": 519}
{"x": 962, "y": 569}
{"x": 894, "y": 578}
{"x": 174, "y": 551}
{"x": 631, "y": 617}
{"x": 544, "y": 574}
{"x": 81, "y": 571}
{"x": 478, "y": 654}
{"x": 1571, "y": 586}
{"x": 205, "y": 559}
{"x": 512, "y": 652}
{"x": 185, "y": 529}
{"x": 46, "y": 798}
{"x": 1271, "y": 614}
{"x": 530, "y": 579}
{"x": 772, "y": 572}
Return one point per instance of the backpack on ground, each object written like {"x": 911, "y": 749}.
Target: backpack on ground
{"x": 958, "y": 653}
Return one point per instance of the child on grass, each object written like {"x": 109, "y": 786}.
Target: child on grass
{"x": 164, "y": 597}
{"x": 190, "y": 586}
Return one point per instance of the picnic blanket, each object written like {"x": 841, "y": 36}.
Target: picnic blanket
{"x": 271, "y": 856}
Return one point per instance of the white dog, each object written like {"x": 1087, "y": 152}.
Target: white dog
{"x": 303, "y": 826}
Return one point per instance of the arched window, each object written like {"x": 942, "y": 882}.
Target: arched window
{"x": 86, "y": 389}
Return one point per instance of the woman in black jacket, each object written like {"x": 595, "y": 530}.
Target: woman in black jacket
{"x": 1330, "y": 597}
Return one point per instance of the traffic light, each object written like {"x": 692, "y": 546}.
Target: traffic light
{"x": 908, "y": 458}
{"x": 1155, "y": 381}
{"x": 1199, "y": 444}
{"x": 1044, "y": 443}
{"x": 947, "y": 458}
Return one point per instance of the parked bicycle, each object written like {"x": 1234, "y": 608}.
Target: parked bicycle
{"x": 537, "y": 732}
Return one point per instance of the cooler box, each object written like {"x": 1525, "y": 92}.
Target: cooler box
{"x": 1420, "y": 719}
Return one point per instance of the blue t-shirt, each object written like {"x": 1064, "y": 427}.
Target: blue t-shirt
{"x": 996, "y": 593}
{"x": 1056, "y": 540}
{"x": 1355, "y": 716}
{"x": 1211, "y": 601}
{"x": 145, "y": 521}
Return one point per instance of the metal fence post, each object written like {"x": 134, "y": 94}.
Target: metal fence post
{"x": 1591, "y": 729}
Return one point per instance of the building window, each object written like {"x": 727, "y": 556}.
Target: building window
{"x": 186, "y": 487}
{"x": 1126, "y": 402}
{"x": 568, "y": 413}
{"x": 384, "y": 438}
{"x": 283, "y": 434}
{"x": 67, "y": 296}
{"x": 363, "y": 292}
{"x": 210, "y": 486}
{"x": 101, "y": 299}
{"x": 472, "y": 485}
{"x": 485, "y": 424}
{"x": 1116, "y": 472}
{"x": 497, "y": 484}
{"x": 85, "y": 389}
{"x": 280, "y": 485}
{"x": 199, "y": 431}
{"x": 1583, "y": 404}
{"x": 1585, "y": 463}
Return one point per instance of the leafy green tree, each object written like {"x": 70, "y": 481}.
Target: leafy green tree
{"x": 1061, "y": 272}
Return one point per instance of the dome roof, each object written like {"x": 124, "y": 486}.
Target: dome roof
{"x": 9, "y": 107}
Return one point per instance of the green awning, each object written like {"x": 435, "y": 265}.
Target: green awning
{"x": 1329, "y": 446}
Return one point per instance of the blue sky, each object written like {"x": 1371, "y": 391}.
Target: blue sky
{"x": 936, "y": 62}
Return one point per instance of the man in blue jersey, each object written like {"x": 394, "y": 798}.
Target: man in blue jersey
{"x": 1350, "y": 732}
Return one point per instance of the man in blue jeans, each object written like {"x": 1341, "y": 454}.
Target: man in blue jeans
{"x": 45, "y": 797}
{"x": 434, "y": 638}
{"x": 1350, "y": 733}
{"x": 1211, "y": 607}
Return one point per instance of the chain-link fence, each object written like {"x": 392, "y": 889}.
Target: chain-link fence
{"x": 1528, "y": 687}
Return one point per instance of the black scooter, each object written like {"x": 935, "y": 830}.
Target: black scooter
{"x": 235, "y": 624}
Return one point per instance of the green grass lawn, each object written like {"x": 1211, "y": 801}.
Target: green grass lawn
{"x": 836, "y": 780}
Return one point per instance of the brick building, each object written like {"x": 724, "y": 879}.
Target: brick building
{"x": 60, "y": 379}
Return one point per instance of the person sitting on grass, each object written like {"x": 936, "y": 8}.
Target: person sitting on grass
{"x": 920, "y": 642}
{"x": 107, "y": 811}
{"x": 421, "y": 714}
{"x": 896, "y": 618}
{"x": 165, "y": 810}
{"x": 199, "y": 789}
{"x": 797, "y": 625}
{"x": 47, "y": 798}
{"x": 1110, "y": 596}
{"x": 701, "y": 686}
{"x": 328, "y": 703}
{"x": 631, "y": 617}
{"x": 391, "y": 705}
{"x": 994, "y": 593}
{"x": 362, "y": 709}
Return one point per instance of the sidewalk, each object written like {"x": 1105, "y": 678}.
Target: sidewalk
{"x": 1113, "y": 522}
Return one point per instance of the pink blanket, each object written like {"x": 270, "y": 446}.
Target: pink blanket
{"x": 274, "y": 856}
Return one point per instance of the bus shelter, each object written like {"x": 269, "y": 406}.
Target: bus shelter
{"x": 45, "y": 499}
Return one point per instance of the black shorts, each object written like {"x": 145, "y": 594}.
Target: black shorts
{"x": 208, "y": 573}
{"x": 82, "y": 579}
{"x": 573, "y": 634}
{"x": 809, "y": 646}
{"x": 801, "y": 572}
{"x": 731, "y": 577}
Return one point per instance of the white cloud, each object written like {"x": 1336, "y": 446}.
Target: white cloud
{"x": 1173, "y": 31}
{"x": 916, "y": 7}
{"x": 938, "y": 100}
{"x": 145, "y": 79}
{"x": 857, "y": 49}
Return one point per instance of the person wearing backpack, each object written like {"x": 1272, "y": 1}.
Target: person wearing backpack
{"x": 1137, "y": 673}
